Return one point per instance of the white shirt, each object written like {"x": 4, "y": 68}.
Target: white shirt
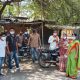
{"x": 53, "y": 44}
{"x": 2, "y": 48}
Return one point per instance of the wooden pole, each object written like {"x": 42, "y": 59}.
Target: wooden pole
{"x": 42, "y": 34}
{"x": 42, "y": 15}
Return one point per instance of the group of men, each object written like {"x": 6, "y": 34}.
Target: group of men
{"x": 10, "y": 44}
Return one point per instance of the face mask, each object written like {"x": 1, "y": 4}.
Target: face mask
{"x": 3, "y": 38}
{"x": 64, "y": 37}
{"x": 12, "y": 32}
{"x": 55, "y": 34}
{"x": 26, "y": 33}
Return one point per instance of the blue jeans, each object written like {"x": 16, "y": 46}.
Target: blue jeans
{"x": 1, "y": 62}
{"x": 34, "y": 53}
{"x": 14, "y": 56}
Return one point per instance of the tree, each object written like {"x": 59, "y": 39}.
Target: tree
{"x": 61, "y": 11}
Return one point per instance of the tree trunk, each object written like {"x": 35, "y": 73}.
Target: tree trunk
{"x": 3, "y": 7}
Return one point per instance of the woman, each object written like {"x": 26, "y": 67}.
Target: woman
{"x": 79, "y": 57}
{"x": 63, "y": 50}
{"x": 72, "y": 63}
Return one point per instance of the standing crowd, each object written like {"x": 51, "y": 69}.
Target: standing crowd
{"x": 10, "y": 43}
{"x": 69, "y": 49}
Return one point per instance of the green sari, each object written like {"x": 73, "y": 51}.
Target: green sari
{"x": 72, "y": 67}
{"x": 79, "y": 57}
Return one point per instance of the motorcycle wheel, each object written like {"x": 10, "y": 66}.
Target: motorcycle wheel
{"x": 43, "y": 61}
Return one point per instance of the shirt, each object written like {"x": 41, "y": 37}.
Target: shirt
{"x": 2, "y": 48}
{"x": 12, "y": 42}
{"x": 20, "y": 40}
{"x": 53, "y": 44}
{"x": 34, "y": 40}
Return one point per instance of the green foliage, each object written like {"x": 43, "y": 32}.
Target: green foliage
{"x": 61, "y": 11}
{"x": 11, "y": 10}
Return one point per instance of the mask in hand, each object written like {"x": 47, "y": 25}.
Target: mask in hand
{"x": 64, "y": 37}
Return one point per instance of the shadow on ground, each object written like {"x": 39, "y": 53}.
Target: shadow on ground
{"x": 30, "y": 71}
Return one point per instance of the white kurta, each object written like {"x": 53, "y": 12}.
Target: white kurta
{"x": 53, "y": 44}
{"x": 2, "y": 48}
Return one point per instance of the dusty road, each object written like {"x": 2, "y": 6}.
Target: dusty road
{"x": 30, "y": 71}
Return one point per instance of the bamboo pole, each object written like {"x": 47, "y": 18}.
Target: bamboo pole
{"x": 42, "y": 15}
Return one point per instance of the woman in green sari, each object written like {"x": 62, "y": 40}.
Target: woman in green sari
{"x": 79, "y": 57}
{"x": 73, "y": 59}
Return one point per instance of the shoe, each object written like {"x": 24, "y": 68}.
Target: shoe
{"x": 36, "y": 62}
{"x": 73, "y": 77}
{"x": 67, "y": 75}
{"x": 33, "y": 61}
{"x": 1, "y": 74}
{"x": 12, "y": 71}
{"x": 17, "y": 69}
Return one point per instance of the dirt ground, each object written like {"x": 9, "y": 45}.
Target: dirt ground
{"x": 30, "y": 71}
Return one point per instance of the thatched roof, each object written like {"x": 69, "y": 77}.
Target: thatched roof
{"x": 9, "y": 21}
{"x": 46, "y": 21}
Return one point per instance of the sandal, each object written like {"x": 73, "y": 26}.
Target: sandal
{"x": 67, "y": 75}
{"x": 73, "y": 77}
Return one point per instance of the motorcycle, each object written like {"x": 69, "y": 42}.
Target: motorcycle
{"x": 24, "y": 52}
{"x": 47, "y": 57}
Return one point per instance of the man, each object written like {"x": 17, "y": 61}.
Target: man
{"x": 20, "y": 42}
{"x": 53, "y": 41}
{"x": 20, "y": 39}
{"x": 12, "y": 48}
{"x": 2, "y": 49}
{"x": 26, "y": 37}
{"x": 35, "y": 43}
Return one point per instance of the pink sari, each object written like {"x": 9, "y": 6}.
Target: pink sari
{"x": 63, "y": 58}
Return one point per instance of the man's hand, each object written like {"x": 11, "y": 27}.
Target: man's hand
{"x": 54, "y": 40}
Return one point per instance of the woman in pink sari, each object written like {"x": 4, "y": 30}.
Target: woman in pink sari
{"x": 63, "y": 51}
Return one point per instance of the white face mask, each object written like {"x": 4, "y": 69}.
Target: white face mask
{"x": 3, "y": 38}
{"x": 26, "y": 33}
{"x": 64, "y": 37}
{"x": 12, "y": 32}
{"x": 74, "y": 38}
